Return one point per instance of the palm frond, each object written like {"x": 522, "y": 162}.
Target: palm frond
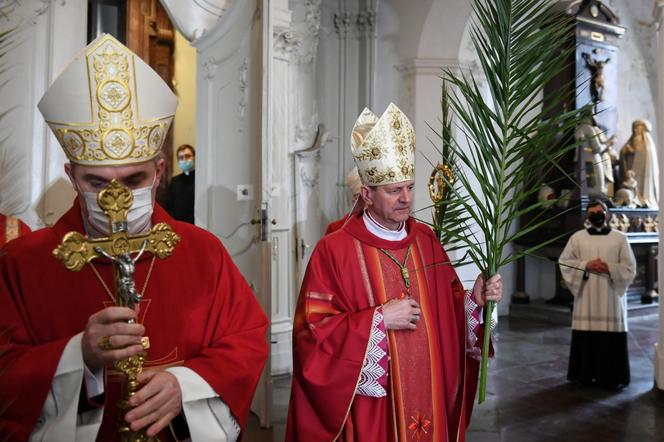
{"x": 508, "y": 142}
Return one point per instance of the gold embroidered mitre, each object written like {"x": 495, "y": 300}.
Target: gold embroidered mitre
{"x": 108, "y": 107}
{"x": 384, "y": 148}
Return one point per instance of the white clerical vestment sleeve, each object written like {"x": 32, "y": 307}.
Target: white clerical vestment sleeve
{"x": 572, "y": 267}
{"x": 94, "y": 382}
{"x": 59, "y": 419}
{"x": 475, "y": 318}
{"x": 207, "y": 416}
{"x": 622, "y": 272}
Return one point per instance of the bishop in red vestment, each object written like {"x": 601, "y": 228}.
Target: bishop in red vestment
{"x": 386, "y": 341}
{"x": 60, "y": 331}
{"x": 197, "y": 310}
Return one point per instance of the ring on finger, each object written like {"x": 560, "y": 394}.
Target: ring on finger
{"x": 105, "y": 343}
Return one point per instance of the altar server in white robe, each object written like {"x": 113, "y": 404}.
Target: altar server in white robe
{"x": 598, "y": 265}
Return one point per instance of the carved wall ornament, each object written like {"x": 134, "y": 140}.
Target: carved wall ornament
{"x": 304, "y": 132}
{"x": 286, "y": 41}
{"x": 244, "y": 92}
{"x": 209, "y": 68}
{"x": 363, "y": 23}
{"x": 307, "y": 52}
{"x": 310, "y": 180}
{"x": 366, "y": 23}
{"x": 342, "y": 22}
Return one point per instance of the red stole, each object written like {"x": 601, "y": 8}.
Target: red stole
{"x": 432, "y": 382}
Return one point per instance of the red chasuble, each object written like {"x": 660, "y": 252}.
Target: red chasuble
{"x": 11, "y": 228}
{"x": 335, "y": 225}
{"x": 431, "y": 380}
{"x": 197, "y": 309}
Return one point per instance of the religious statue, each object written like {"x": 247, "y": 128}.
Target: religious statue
{"x": 546, "y": 196}
{"x": 637, "y": 224}
{"x": 639, "y": 155}
{"x": 626, "y": 195}
{"x": 592, "y": 139}
{"x": 624, "y": 223}
{"x": 649, "y": 224}
{"x": 596, "y": 68}
{"x": 614, "y": 222}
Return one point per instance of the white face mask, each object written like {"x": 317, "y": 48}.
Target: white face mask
{"x": 138, "y": 218}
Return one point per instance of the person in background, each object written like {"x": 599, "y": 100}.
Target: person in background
{"x": 598, "y": 265}
{"x": 181, "y": 190}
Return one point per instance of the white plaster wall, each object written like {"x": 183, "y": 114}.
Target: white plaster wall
{"x": 32, "y": 181}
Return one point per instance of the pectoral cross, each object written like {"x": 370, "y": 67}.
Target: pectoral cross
{"x": 77, "y": 250}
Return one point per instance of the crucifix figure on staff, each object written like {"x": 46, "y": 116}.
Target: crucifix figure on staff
{"x": 73, "y": 344}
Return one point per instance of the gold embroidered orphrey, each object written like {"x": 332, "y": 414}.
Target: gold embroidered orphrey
{"x": 76, "y": 250}
{"x": 115, "y": 134}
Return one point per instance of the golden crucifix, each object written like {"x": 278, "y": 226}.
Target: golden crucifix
{"x": 76, "y": 250}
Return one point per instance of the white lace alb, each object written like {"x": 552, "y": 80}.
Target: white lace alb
{"x": 372, "y": 370}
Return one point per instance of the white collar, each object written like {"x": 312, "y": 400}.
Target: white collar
{"x": 381, "y": 232}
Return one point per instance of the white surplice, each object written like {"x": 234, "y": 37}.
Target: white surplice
{"x": 599, "y": 299}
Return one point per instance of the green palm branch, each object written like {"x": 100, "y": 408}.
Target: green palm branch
{"x": 505, "y": 145}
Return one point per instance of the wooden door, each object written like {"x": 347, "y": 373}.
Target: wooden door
{"x": 150, "y": 34}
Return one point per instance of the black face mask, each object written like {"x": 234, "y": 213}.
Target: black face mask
{"x": 597, "y": 219}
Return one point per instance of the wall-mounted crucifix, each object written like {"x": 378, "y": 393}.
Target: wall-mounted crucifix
{"x": 596, "y": 68}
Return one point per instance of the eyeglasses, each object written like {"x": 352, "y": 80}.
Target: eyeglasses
{"x": 185, "y": 156}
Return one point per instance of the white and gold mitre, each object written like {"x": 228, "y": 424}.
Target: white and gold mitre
{"x": 108, "y": 107}
{"x": 384, "y": 148}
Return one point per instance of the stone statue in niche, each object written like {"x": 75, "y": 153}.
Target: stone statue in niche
{"x": 596, "y": 68}
{"x": 626, "y": 195}
{"x": 614, "y": 222}
{"x": 592, "y": 140}
{"x": 638, "y": 160}
{"x": 637, "y": 224}
{"x": 649, "y": 224}
{"x": 624, "y": 223}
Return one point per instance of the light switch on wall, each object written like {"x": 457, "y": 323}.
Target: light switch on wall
{"x": 245, "y": 192}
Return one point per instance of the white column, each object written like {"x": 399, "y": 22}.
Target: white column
{"x": 659, "y": 346}
{"x": 287, "y": 42}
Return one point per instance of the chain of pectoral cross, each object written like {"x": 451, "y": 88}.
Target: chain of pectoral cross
{"x": 403, "y": 267}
